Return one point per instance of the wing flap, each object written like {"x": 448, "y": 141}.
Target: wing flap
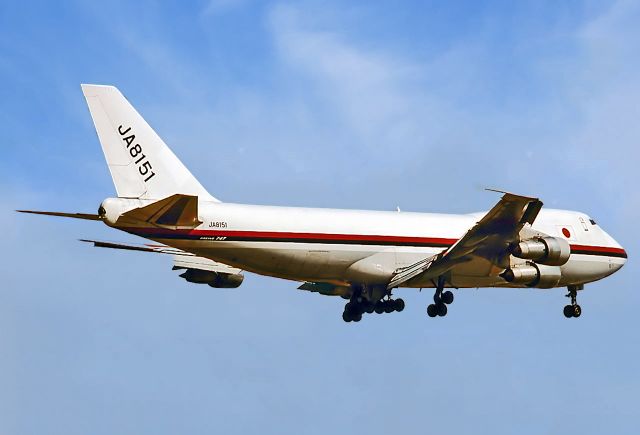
{"x": 201, "y": 263}
{"x": 406, "y": 273}
{"x": 327, "y": 289}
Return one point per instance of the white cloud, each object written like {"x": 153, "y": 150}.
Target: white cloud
{"x": 373, "y": 92}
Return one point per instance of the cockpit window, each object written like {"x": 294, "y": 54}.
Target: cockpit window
{"x": 592, "y": 222}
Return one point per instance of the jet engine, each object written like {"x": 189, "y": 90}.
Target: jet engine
{"x": 551, "y": 251}
{"x": 214, "y": 279}
{"x": 533, "y": 275}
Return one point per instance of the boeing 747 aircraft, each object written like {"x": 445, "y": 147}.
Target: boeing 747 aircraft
{"x": 361, "y": 256}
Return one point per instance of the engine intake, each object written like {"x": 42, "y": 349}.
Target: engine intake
{"x": 533, "y": 275}
{"x": 551, "y": 251}
{"x": 214, "y": 279}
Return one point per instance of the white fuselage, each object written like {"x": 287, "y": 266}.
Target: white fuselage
{"x": 346, "y": 246}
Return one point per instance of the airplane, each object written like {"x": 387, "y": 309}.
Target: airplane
{"x": 361, "y": 256}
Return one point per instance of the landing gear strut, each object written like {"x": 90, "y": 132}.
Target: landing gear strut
{"x": 440, "y": 300}
{"x": 573, "y": 310}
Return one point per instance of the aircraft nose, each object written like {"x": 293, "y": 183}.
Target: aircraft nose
{"x": 623, "y": 257}
{"x": 618, "y": 253}
{"x": 616, "y": 263}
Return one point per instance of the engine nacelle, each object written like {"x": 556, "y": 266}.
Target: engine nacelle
{"x": 551, "y": 251}
{"x": 533, "y": 275}
{"x": 214, "y": 279}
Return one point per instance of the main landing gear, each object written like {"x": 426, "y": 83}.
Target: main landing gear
{"x": 356, "y": 307}
{"x": 573, "y": 310}
{"x": 440, "y": 300}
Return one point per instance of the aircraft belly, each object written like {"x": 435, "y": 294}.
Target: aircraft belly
{"x": 295, "y": 261}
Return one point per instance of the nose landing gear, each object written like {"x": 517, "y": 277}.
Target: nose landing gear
{"x": 573, "y": 310}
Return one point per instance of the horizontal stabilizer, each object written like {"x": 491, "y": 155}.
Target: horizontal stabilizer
{"x": 85, "y": 216}
{"x": 176, "y": 212}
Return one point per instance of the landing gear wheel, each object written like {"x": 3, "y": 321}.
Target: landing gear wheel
{"x": 388, "y": 306}
{"x": 568, "y": 311}
{"x": 447, "y": 297}
{"x": 577, "y": 310}
{"x": 369, "y": 308}
{"x": 357, "y": 317}
{"x": 432, "y": 311}
{"x": 398, "y": 305}
{"x": 346, "y": 316}
{"x": 379, "y": 308}
{"x": 573, "y": 310}
{"x": 440, "y": 300}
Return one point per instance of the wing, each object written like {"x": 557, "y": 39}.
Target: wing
{"x": 488, "y": 239}
{"x": 159, "y": 249}
{"x": 198, "y": 270}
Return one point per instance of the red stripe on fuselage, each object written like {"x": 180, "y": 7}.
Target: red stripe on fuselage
{"x": 289, "y": 236}
{"x": 345, "y": 238}
{"x": 598, "y": 250}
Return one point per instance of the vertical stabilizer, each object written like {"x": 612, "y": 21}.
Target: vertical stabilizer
{"x": 141, "y": 164}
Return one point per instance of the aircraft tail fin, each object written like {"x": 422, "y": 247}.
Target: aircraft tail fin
{"x": 141, "y": 164}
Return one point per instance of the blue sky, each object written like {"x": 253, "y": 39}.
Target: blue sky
{"x": 354, "y": 105}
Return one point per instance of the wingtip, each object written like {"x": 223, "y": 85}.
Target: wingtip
{"x": 489, "y": 189}
{"x": 504, "y": 192}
